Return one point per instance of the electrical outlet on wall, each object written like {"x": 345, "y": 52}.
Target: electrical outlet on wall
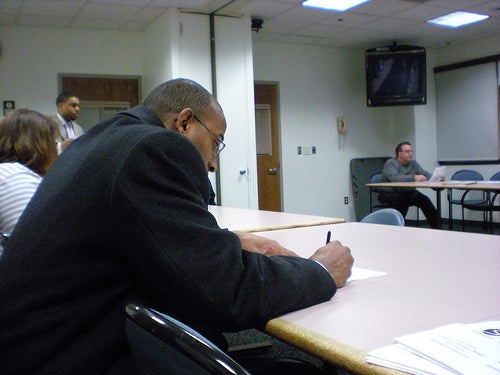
{"x": 346, "y": 200}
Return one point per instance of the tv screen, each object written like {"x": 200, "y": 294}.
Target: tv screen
{"x": 396, "y": 75}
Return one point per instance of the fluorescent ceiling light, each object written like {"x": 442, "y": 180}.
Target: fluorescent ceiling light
{"x": 457, "y": 19}
{"x": 340, "y": 5}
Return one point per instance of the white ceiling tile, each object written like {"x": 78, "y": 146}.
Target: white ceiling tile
{"x": 134, "y": 26}
{"x": 121, "y": 2}
{"x": 266, "y": 9}
{"x": 457, "y": 4}
{"x": 349, "y": 19}
{"x": 179, "y": 3}
{"x": 51, "y": 8}
{"x": 97, "y": 23}
{"x": 384, "y": 24}
{"x": 10, "y": 6}
{"x": 490, "y": 8}
{"x": 7, "y": 19}
{"x": 265, "y": 36}
{"x": 384, "y": 7}
{"x": 296, "y": 39}
{"x": 109, "y": 11}
{"x": 423, "y": 13}
{"x": 298, "y": 13}
{"x": 147, "y": 14}
{"x": 374, "y": 22}
{"x": 321, "y": 30}
{"x": 46, "y": 21}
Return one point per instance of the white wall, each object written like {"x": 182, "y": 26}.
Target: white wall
{"x": 174, "y": 45}
{"x": 468, "y": 51}
{"x": 234, "y": 67}
{"x": 157, "y": 54}
{"x": 455, "y": 54}
{"x": 317, "y": 85}
{"x": 32, "y": 57}
{"x": 178, "y": 45}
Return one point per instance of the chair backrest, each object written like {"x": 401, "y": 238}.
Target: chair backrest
{"x": 376, "y": 178}
{"x": 388, "y": 216}
{"x": 163, "y": 345}
{"x": 495, "y": 177}
{"x": 467, "y": 175}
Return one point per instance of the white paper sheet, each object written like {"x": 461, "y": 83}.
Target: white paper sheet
{"x": 438, "y": 174}
{"x": 466, "y": 349}
{"x": 362, "y": 273}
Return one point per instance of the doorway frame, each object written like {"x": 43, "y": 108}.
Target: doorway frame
{"x": 276, "y": 84}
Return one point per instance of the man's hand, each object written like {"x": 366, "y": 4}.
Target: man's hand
{"x": 420, "y": 177}
{"x": 66, "y": 143}
{"x": 337, "y": 259}
{"x": 262, "y": 245}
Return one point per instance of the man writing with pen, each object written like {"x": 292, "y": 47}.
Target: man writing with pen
{"x": 137, "y": 229}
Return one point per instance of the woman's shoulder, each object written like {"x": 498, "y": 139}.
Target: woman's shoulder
{"x": 11, "y": 170}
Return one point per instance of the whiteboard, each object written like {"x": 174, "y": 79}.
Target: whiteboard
{"x": 467, "y": 113}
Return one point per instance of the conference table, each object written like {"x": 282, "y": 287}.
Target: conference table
{"x": 486, "y": 186}
{"x": 250, "y": 220}
{"x": 432, "y": 278}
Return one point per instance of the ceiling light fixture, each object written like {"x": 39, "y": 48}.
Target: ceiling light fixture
{"x": 339, "y": 5}
{"x": 457, "y": 19}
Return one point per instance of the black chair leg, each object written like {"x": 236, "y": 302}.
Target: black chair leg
{"x": 463, "y": 219}
{"x": 450, "y": 216}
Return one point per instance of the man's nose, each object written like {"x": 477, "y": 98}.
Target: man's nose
{"x": 212, "y": 165}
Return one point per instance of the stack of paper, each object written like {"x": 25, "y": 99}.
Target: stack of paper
{"x": 467, "y": 349}
{"x": 458, "y": 182}
{"x": 438, "y": 174}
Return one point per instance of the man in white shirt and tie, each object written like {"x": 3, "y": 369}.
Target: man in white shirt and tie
{"x": 68, "y": 110}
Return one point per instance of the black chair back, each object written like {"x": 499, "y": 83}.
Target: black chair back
{"x": 3, "y": 241}
{"x": 163, "y": 345}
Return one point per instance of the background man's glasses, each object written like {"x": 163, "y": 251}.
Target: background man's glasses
{"x": 219, "y": 142}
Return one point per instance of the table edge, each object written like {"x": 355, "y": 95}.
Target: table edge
{"x": 328, "y": 349}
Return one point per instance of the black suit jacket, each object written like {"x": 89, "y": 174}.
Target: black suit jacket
{"x": 122, "y": 216}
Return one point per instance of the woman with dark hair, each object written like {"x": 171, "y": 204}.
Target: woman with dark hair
{"x": 27, "y": 150}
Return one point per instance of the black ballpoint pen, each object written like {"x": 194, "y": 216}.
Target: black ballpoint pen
{"x": 328, "y": 236}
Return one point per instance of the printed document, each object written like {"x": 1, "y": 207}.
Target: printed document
{"x": 438, "y": 174}
{"x": 466, "y": 349}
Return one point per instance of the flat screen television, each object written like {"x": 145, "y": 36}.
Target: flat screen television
{"x": 396, "y": 75}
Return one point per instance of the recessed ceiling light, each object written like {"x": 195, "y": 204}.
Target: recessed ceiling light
{"x": 339, "y": 5}
{"x": 457, "y": 19}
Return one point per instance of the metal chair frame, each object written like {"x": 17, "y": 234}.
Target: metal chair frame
{"x": 465, "y": 175}
{"x": 489, "y": 206}
{"x": 186, "y": 342}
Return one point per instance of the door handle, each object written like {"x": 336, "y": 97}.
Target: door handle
{"x": 272, "y": 171}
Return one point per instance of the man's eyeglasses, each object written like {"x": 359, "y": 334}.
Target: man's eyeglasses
{"x": 219, "y": 142}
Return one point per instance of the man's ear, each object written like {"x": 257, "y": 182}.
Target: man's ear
{"x": 183, "y": 121}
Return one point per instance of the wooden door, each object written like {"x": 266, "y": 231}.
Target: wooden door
{"x": 268, "y": 146}
{"x": 100, "y": 96}
{"x": 102, "y": 89}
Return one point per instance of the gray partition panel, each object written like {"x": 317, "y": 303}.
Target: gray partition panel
{"x": 362, "y": 170}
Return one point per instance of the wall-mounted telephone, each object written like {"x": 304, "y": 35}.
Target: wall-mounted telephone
{"x": 341, "y": 125}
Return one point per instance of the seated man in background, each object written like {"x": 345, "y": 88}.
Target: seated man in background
{"x": 27, "y": 150}
{"x": 403, "y": 168}
{"x": 68, "y": 110}
{"x": 122, "y": 217}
